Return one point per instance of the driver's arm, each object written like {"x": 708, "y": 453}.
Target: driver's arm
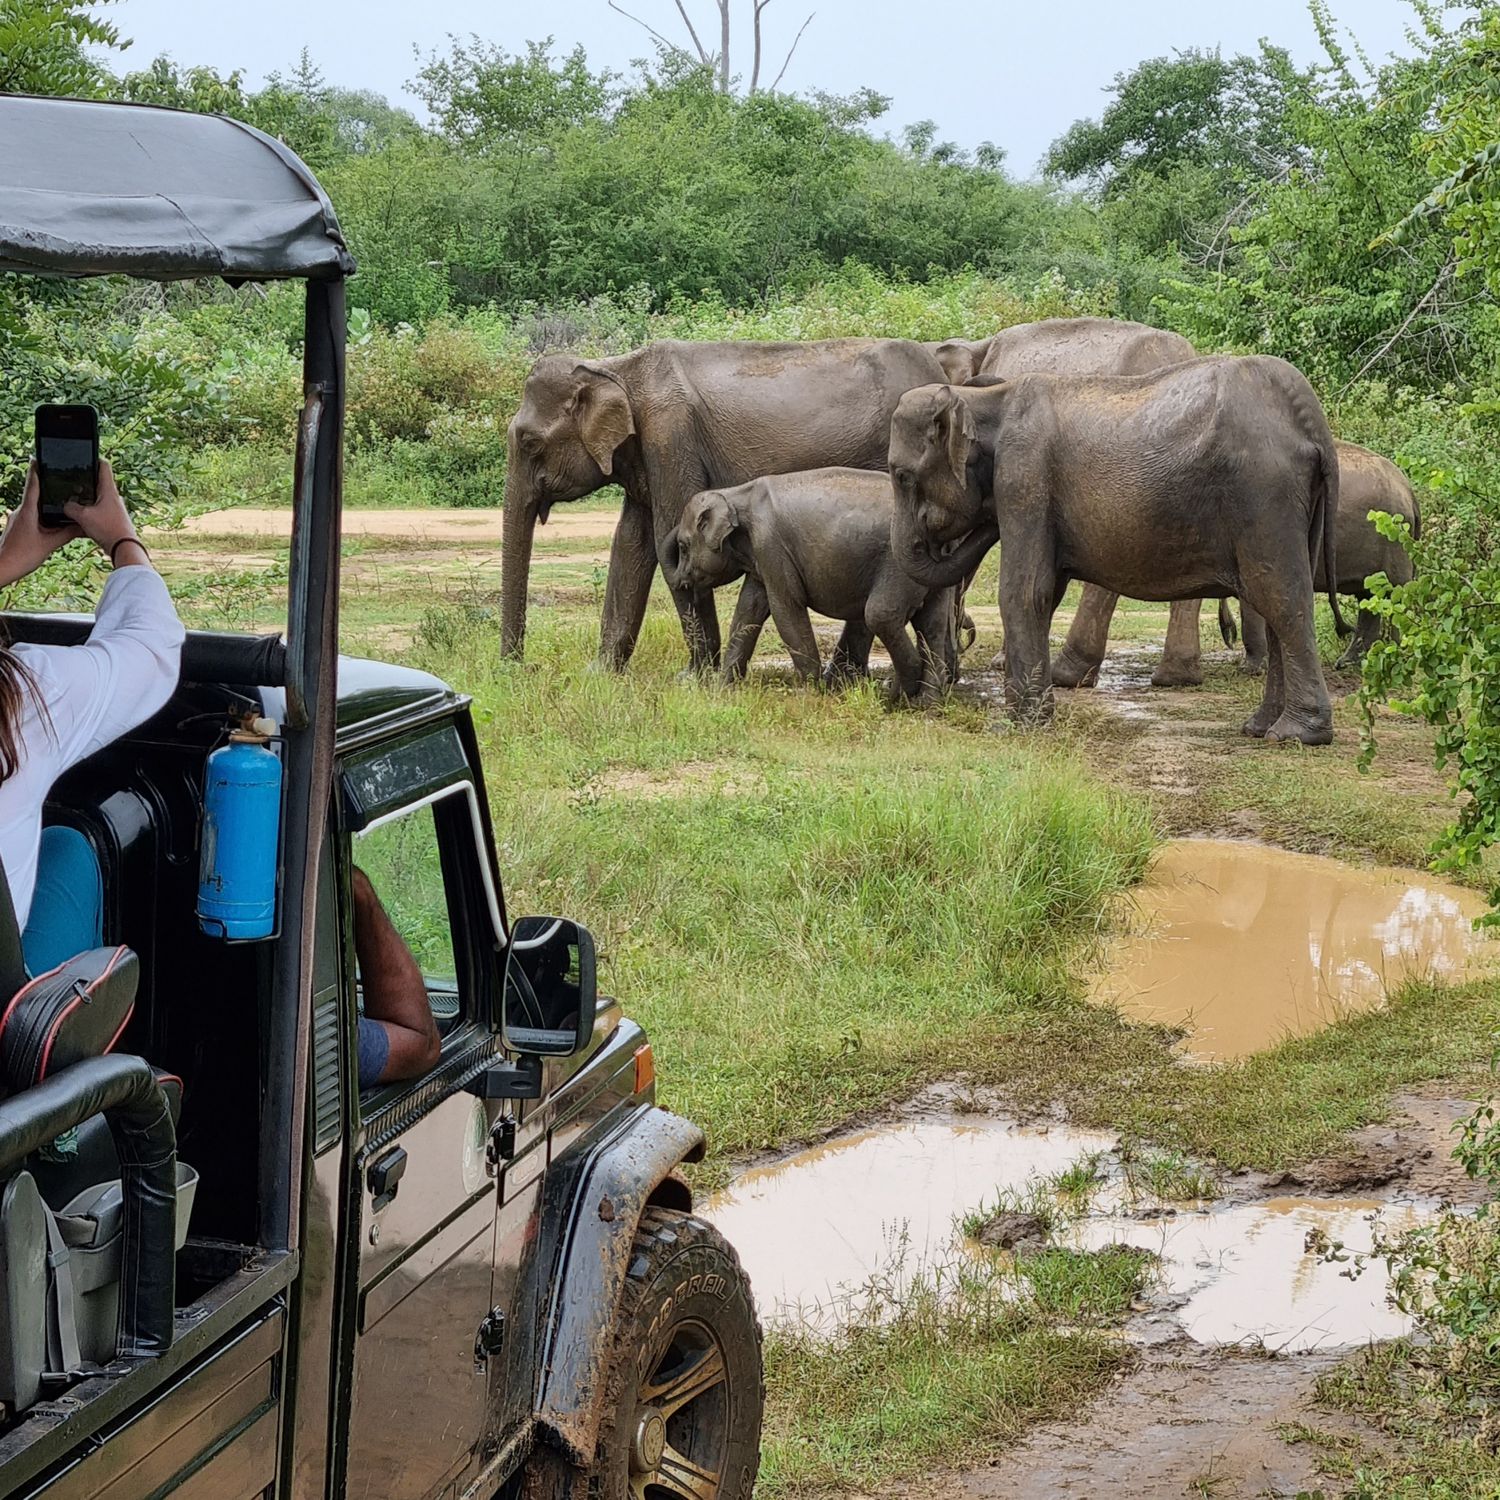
{"x": 395, "y": 993}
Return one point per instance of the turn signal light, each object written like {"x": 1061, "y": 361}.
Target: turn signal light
{"x": 645, "y": 1068}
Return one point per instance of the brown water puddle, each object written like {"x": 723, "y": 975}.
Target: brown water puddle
{"x": 875, "y": 1207}
{"x": 1245, "y": 945}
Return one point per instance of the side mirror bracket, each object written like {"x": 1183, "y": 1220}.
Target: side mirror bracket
{"x": 509, "y": 1078}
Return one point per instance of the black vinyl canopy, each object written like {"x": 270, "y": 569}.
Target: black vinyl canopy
{"x": 94, "y": 189}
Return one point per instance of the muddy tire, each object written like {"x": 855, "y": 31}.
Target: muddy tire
{"x": 684, "y": 1390}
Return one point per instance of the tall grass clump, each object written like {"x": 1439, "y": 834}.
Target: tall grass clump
{"x": 812, "y": 902}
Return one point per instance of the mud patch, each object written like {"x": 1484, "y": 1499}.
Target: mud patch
{"x": 1243, "y": 945}
{"x": 818, "y": 1228}
{"x": 693, "y": 778}
{"x": 1184, "y": 1421}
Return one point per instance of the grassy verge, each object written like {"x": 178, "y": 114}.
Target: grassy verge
{"x": 943, "y": 1365}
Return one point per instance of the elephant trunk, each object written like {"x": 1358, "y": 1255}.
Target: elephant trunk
{"x": 914, "y": 552}
{"x": 671, "y": 560}
{"x": 515, "y": 565}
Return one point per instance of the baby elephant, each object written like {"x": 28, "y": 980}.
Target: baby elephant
{"x": 817, "y": 540}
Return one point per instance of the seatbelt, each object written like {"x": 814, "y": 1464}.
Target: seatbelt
{"x": 64, "y": 1359}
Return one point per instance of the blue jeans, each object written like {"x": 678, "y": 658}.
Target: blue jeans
{"x": 67, "y": 909}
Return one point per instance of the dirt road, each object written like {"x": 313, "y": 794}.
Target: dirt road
{"x": 449, "y": 526}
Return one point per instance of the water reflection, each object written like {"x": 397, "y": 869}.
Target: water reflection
{"x": 1245, "y": 945}
{"x": 818, "y": 1226}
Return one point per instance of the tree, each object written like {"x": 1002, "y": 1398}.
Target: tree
{"x": 1185, "y": 140}
{"x": 720, "y": 62}
{"x": 487, "y": 98}
{"x": 43, "y": 42}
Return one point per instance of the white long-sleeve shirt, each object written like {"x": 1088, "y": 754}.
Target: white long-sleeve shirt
{"x": 94, "y": 693}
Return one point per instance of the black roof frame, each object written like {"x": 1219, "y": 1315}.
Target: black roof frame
{"x": 76, "y": 225}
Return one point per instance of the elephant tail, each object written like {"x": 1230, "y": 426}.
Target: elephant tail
{"x": 1227, "y": 628}
{"x": 1416, "y": 518}
{"x": 1325, "y": 514}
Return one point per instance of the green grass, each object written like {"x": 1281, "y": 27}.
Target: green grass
{"x": 941, "y": 1366}
{"x": 1167, "y": 1176}
{"x": 1417, "y": 1438}
{"x": 878, "y": 895}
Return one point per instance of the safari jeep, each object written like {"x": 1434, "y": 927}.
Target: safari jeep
{"x": 225, "y": 1271}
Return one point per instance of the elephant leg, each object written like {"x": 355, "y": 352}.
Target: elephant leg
{"x": 1273, "y": 697}
{"x": 1181, "y": 663}
{"x": 886, "y": 613}
{"x": 1028, "y": 597}
{"x": 850, "y": 661}
{"x": 751, "y": 611}
{"x": 796, "y": 630}
{"x": 1078, "y": 662}
{"x": 933, "y": 624}
{"x": 1294, "y": 676}
{"x": 632, "y": 566}
{"x": 1253, "y": 631}
{"x": 1366, "y": 632}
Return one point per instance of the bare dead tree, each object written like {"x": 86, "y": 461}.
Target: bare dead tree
{"x": 724, "y": 57}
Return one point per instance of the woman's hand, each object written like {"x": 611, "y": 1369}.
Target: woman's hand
{"x": 26, "y": 544}
{"x": 106, "y": 522}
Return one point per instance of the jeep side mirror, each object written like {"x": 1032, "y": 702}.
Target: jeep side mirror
{"x": 550, "y": 988}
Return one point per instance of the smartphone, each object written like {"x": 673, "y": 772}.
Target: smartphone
{"x": 67, "y": 459}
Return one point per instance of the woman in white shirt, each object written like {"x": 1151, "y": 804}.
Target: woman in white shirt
{"x": 59, "y": 704}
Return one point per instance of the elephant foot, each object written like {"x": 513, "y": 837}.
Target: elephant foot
{"x": 1350, "y": 662}
{"x": 1257, "y": 725}
{"x": 1171, "y": 675}
{"x": 1315, "y": 731}
{"x": 845, "y": 676}
{"x": 1069, "y": 670}
{"x": 1253, "y": 668}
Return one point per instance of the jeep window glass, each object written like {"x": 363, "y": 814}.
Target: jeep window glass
{"x": 404, "y": 861}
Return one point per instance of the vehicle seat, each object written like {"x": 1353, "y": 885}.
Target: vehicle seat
{"x": 60, "y": 1249}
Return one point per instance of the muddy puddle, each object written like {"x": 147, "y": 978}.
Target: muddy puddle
{"x": 1244, "y": 945}
{"x": 877, "y": 1207}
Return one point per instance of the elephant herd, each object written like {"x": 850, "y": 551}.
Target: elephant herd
{"x": 866, "y": 479}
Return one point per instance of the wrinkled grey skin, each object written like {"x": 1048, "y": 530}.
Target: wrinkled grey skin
{"x": 1205, "y": 479}
{"x": 672, "y": 419}
{"x": 1366, "y": 482}
{"x": 1064, "y": 346}
{"x": 1061, "y": 346}
{"x": 816, "y": 540}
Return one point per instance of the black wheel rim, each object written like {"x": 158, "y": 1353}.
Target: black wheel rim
{"x": 680, "y": 1436}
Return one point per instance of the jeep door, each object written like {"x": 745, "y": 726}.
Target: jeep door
{"x": 423, "y": 1195}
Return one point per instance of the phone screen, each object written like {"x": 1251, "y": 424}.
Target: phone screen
{"x": 67, "y": 459}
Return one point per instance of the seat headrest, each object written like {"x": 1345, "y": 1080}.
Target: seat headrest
{"x": 72, "y": 1012}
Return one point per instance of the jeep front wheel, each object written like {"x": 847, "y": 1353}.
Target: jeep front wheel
{"x": 684, "y": 1391}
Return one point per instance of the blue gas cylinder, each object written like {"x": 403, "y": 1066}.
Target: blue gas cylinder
{"x": 241, "y": 836}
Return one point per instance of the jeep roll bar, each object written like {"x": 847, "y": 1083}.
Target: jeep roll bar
{"x": 89, "y": 188}
{"x": 124, "y": 1090}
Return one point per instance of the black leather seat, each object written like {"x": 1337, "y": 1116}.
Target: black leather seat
{"x": 62, "y": 1218}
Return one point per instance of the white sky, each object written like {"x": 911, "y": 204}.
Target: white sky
{"x": 1017, "y": 72}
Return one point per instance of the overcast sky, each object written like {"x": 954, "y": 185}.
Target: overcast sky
{"x": 1015, "y": 72}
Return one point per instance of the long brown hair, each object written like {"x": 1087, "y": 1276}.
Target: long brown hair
{"x": 17, "y": 683}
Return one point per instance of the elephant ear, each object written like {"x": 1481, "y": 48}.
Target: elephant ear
{"x": 958, "y": 361}
{"x": 602, "y": 411}
{"x": 961, "y": 435}
{"x": 715, "y": 520}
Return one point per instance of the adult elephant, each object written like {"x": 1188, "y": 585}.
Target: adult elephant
{"x": 1063, "y": 346}
{"x": 1210, "y": 478}
{"x": 670, "y": 420}
{"x": 1367, "y": 482}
